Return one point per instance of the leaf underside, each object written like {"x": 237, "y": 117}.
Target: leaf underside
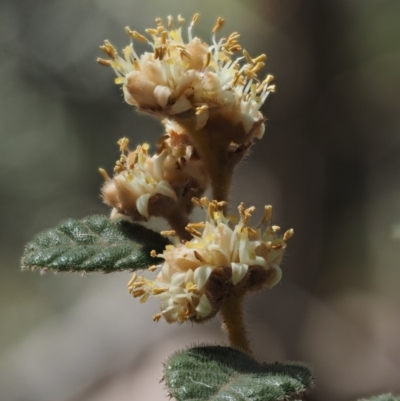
{"x": 94, "y": 243}
{"x": 215, "y": 373}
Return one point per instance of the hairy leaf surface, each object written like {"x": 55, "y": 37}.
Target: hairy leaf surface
{"x": 214, "y": 373}
{"x": 94, "y": 243}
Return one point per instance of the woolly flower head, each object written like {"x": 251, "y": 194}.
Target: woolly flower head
{"x": 145, "y": 185}
{"x": 192, "y": 80}
{"x": 221, "y": 259}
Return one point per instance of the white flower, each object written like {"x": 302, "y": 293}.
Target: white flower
{"x": 183, "y": 283}
{"x": 140, "y": 176}
{"x": 192, "y": 79}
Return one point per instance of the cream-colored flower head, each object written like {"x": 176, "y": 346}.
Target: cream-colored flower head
{"x": 220, "y": 259}
{"x": 193, "y": 80}
{"x": 145, "y": 185}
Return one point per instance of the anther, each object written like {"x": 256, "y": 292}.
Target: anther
{"x": 184, "y": 53}
{"x": 157, "y": 317}
{"x": 219, "y": 24}
{"x": 247, "y": 56}
{"x": 138, "y": 293}
{"x": 135, "y": 35}
{"x": 109, "y": 49}
{"x": 133, "y": 279}
{"x": 158, "y": 291}
{"x": 180, "y": 19}
{"x": 288, "y": 234}
{"x": 167, "y": 233}
{"x": 170, "y": 24}
{"x": 164, "y": 35}
{"x": 267, "y": 214}
{"x": 194, "y": 19}
{"x": 123, "y": 144}
{"x": 152, "y": 32}
{"x": 193, "y": 232}
{"x": 207, "y": 60}
{"x": 104, "y": 174}
{"x": 197, "y": 202}
{"x": 199, "y": 257}
{"x": 106, "y": 63}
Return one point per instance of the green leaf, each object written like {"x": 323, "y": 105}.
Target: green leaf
{"x": 215, "y": 373}
{"x": 383, "y": 397}
{"x": 95, "y": 243}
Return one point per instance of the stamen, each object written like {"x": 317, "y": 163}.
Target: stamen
{"x": 144, "y": 298}
{"x": 180, "y": 19}
{"x": 197, "y": 202}
{"x": 199, "y": 257}
{"x": 106, "y": 63}
{"x": 268, "y": 79}
{"x": 191, "y": 287}
{"x": 153, "y": 253}
{"x": 109, "y": 49}
{"x": 158, "y": 291}
{"x": 138, "y": 293}
{"x": 219, "y": 24}
{"x": 167, "y": 233}
{"x": 200, "y": 224}
{"x": 267, "y": 214}
{"x": 135, "y": 35}
{"x": 123, "y": 144}
{"x": 164, "y": 35}
{"x": 136, "y": 65}
{"x": 288, "y": 234}
{"x": 104, "y": 174}
{"x": 152, "y": 268}
{"x": 251, "y": 232}
{"x": 204, "y": 201}
{"x": 247, "y": 56}
{"x": 261, "y": 57}
{"x": 152, "y": 32}
{"x": 159, "y": 22}
{"x": 193, "y": 232}
{"x": 184, "y": 53}
{"x": 207, "y": 60}
{"x": 194, "y": 19}
{"x": 170, "y": 23}
{"x": 133, "y": 279}
{"x": 157, "y": 317}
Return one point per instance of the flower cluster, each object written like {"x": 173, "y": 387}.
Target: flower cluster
{"x": 145, "y": 185}
{"x": 221, "y": 258}
{"x": 192, "y": 80}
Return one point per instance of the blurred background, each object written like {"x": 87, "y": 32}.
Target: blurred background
{"x": 329, "y": 163}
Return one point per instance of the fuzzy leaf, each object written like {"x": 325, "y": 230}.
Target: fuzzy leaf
{"x": 94, "y": 243}
{"x": 383, "y": 397}
{"x": 215, "y": 373}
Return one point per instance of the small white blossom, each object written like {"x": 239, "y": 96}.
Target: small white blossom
{"x": 140, "y": 176}
{"x": 192, "y": 79}
{"x": 182, "y": 284}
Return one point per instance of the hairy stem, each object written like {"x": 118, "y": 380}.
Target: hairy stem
{"x": 232, "y": 316}
{"x": 178, "y": 222}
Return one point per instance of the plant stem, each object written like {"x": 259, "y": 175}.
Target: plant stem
{"x": 232, "y": 315}
{"x": 178, "y": 221}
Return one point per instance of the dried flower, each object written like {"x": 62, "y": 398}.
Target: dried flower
{"x": 219, "y": 259}
{"x": 192, "y": 80}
